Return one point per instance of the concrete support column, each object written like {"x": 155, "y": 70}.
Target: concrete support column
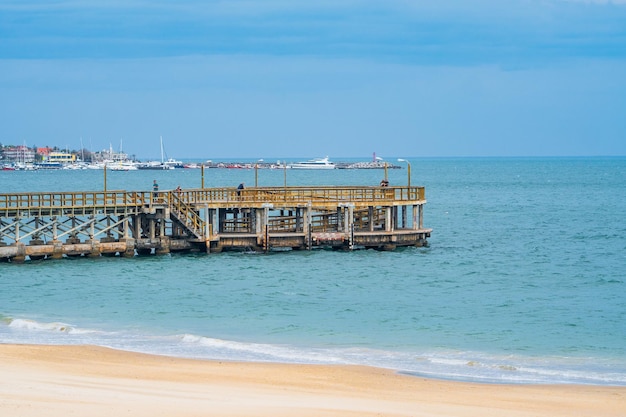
{"x": 55, "y": 233}
{"x": 395, "y": 218}
{"x": 137, "y": 220}
{"x": 306, "y": 220}
{"x": 264, "y": 226}
{"x": 266, "y": 222}
{"x": 164, "y": 245}
{"x": 389, "y": 219}
{"x": 207, "y": 227}
{"x": 339, "y": 223}
{"x": 162, "y": 227}
{"x": 306, "y": 226}
{"x": 370, "y": 216}
{"x": 421, "y": 216}
{"x": 414, "y": 217}
{"x": 95, "y": 248}
{"x": 350, "y": 226}
{"x": 57, "y": 249}
{"x": 20, "y": 257}
{"x": 215, "y": 222}
{"x": 258, "y": 215}
{"x": 92, "y": 227}
{"x": 404, "y": 218}
{"x": 129, "y": 252}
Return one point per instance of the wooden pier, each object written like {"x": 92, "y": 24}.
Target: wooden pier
{"x": 128, "y": 223}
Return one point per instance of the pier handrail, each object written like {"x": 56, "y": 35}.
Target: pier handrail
{"x": 66, "y": 202}
{"x": 305, "y": 194}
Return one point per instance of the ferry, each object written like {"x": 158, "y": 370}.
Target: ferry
{"x": 319, "y": 163}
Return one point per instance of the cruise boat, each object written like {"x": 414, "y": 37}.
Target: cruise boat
{"x": 319, "y": 163}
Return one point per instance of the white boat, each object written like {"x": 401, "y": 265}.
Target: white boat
{"x": 123, "y": 166}
{"x": 163, "y": 165}
{"x": 154, "y": 165}
{"x": 174, "y": 163}
{"x": 319, "y": 163}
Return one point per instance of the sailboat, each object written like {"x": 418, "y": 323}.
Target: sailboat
{"x": 163, "y": 165}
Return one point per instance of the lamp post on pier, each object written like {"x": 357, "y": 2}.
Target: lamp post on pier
{"x": 256, "y": 173}
{"x": 408, "y": 169}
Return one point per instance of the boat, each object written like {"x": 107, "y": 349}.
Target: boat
{"x": 48, "y": 165}
{"x": 123, "y": 166}
{"x": 163, "y": 165}
{"x": 174, "y": 163}
{"x": 319, "y": 163}
{"x": 154, "y": 165}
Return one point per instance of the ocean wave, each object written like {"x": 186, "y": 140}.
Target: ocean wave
{"x": 38, "y": 326}
{"x": 440, "y": 364}
{"x": 35, "y": 325}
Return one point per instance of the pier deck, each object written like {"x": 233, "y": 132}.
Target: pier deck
{"x": 126, "y": 223}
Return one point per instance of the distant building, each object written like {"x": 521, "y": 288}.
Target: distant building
{"x": 19, "y": 154}
{"x": 109, "y": 156}
{"x": 44, "y": 151}
{"x": 60, "y": 157}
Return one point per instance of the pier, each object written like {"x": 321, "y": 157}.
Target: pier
{"x": 53, "y": 225}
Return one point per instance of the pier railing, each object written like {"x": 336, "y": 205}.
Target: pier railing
{"x": 302, "y": 195}
{"x": 70, "y": 203}
{"x": 121, "y": 202}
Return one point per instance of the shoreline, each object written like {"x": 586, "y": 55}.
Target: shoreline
{"x": 89, "y": 380}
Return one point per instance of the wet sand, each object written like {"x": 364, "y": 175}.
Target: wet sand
{"x": 93, "y": 381}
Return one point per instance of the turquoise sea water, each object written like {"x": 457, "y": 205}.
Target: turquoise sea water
{"x": 524, "y": 280}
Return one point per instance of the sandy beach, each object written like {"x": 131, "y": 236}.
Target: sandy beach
{"x": 95, "y": 381}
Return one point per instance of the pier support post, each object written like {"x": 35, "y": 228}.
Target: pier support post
{"x": 20, "y": 256}
{"x": 152, "y": 228}
{"x": 404, "y": 218}
{"x": 306, "y": 225}
{"x": 95, "y": 248}
{"x": 389, "y": 219}
{"x": 137, "y": 220}
{"x": 57, "y": 249}
{"x": 164, "y": 246}
{"x": 350, "y": 226}
{"x": 421, "y": 216}
{"x": 264, "y": 226}
{"x": 130, "y": 247}
{"x": 207, "y": 229}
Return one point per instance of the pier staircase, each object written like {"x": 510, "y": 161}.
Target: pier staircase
{"x": 186, "y": 217}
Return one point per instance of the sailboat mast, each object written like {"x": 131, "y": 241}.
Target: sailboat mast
{"x": 162, "y": 160}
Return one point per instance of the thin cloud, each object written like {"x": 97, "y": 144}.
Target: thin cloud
{"x": 445, "y": 32}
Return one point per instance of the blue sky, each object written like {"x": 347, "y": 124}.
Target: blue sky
{"x": 278, "y": 78}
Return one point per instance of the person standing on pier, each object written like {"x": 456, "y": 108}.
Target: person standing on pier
{"x": 155, "y": 190}
{"x": 239, "y": 188}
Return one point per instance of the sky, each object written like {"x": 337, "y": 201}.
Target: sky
{"x": 294, "y": 78}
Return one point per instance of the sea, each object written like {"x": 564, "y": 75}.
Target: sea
{"x": 523, "y": 280}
